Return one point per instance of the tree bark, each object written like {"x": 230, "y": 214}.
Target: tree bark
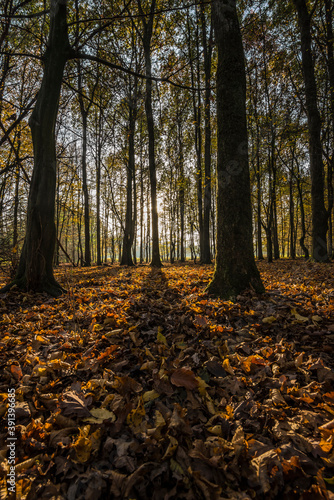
{"x": 35, "y": 271}
{"x": 292, "y": 217}
{"x": 319, "y": 212}
{"x": 84, "y": 114}
{"x": 147, "y": 37}
{"x": 128, "y": 238}
{"x": 330, "y": 65}
{"x": 207, "y": 49}
{"x": 235, "y": 268}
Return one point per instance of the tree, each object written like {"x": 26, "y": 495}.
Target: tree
{"x": 235, "y": 268}
{"x": 147, "y": 22}
{"x": 129, "y": 230}
{"x": 207, "y": 51}
{"x": 35, "y": 269}
{"x": 319, "y": 212}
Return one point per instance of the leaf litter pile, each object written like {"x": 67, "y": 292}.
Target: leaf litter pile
{"x": 136, "y": 384}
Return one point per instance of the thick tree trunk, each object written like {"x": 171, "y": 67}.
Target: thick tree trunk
{"x": 235, "y": 268}
{"x": 319, "y": 213}
{"x": 330, "y": 63}
{"x": 35, "y": 270}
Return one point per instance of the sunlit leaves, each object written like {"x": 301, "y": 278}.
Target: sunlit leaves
{"x": 206, "y": 389}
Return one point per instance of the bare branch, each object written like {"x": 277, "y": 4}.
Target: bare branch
{"x": 89, "y": 57}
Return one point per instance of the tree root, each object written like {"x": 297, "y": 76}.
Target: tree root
{"x": 49, "y": 286}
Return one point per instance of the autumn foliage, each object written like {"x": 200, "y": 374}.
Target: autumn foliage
{"x": 137, "y": 384}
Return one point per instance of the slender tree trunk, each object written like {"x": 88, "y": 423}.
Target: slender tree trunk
{"x": 147, "y": 37}
{"x": 181, "y": 192}
{"x": 319, "y": 213}
{"x": 16, "y": 208}
{"x": 292, "y": 218}
{"x": 259, "y": 222}
{"x": 98, "y": 190}
{"x": 275, "y": 229}
{"x": 129, "y": 222}
{"x": 35, "y": 271}
{"x": 235, "y": 268}
{"x": 198, "y": 135}
{"x": 302, "y": 214}
{"x": 141, "y": 258}
{"x": 207, "y": 49}
{"x": 84, "y": 114}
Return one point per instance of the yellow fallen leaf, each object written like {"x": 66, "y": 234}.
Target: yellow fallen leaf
{"x": 99, "y": 415}
{"x": 26, "y": 464}
{"x": 299, "y": 360}
{"x": 95, "y": 439}
{"x": 299, "y": 318}
{"x": 227, "y": 367}
{"x": 97, "y": 327}
{"x": 135, "y": 417}
{"x": 216, "y": 430}
{"x": 173, "y": 444}
{"x": 42, "y": 339}
{"x": 159, "y": 420}
{"x": 94, "y": 384}
{"x": 148, "y": 365}
{"x": 161, "y": 338}
{"x": 269, "y": 320}
{"x": 209, "y": 404}
{"x": 149, "y": 354}
{"x": 83, "y": 445}
{"x": 150, "y": 396}
{"x": 202, "y": 385}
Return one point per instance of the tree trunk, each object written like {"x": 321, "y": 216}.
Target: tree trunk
{"x": 330, "y": 56}
{"x": 319, "y": 213}
{"x": 302, "y": 214}
{"x": 141, "y": 257}
{"x": 129, "y": 222}
{"x": 235, "y": 268}
{"x": 35, "y": 270}
{"x": 292, "y": 217}
{"x": 181, "y": 190}
{"x": 198, "y": 133}
{"x": 148, "y": 30}
{"x": 84, "y": 114}
{"x": 98, "y": 188}
{"x": 207, "y": 49}
{"x": 259, "y": 222}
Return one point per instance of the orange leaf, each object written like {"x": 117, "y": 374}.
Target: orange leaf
{"x": 16, "y": 371}
{"x": 107, "y": 352}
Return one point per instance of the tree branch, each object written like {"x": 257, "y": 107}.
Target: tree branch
{"x": 89, "y": 57}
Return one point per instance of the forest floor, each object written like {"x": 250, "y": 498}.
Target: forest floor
{"x": 136, "y": 384}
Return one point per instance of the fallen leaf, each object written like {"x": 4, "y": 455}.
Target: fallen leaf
{"x": 184, "y": 377}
